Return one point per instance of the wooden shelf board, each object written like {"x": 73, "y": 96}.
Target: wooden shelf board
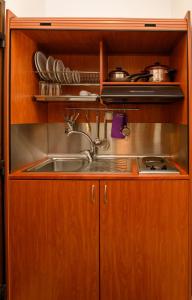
{"x": 141, "y": 83}
{"x": 67, "y": 98}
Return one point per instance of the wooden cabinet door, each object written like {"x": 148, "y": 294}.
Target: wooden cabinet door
{"x": 1, "y": 236}
{"x": 53, "y": 240}
{"x": 144, "y": 240}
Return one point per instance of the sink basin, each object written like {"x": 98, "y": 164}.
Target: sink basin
{"x": 109, "y": 165}
{"x": 61, "y": 165}
{"x": 81, "y": 164}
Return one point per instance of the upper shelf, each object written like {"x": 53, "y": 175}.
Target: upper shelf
{"x": 141, "y": 83}
{"x": 116, "y": 42}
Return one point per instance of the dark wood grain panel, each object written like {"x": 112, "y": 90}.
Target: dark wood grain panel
{"x": 189, "y": 81}
{"x": 179, "y": 61}
{"x": 117, "y": 41}
{"x": 25, "y": 82}
{"x": 103, "y": 64}
{"x": 2, "y": 263}
{"x": 189, "y": 65}
{"x": 54, "y": 242}
{"x": 144, "y": 240}
{"x": 146, "y": 113}
{"x": 6, "y": 137}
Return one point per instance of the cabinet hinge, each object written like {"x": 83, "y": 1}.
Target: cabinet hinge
{"x": 2, "y": 43}
{"x": 2, "y": 168}
{"x": 2, "y": 40}
{"x": 150, "y": 25}
{"x": 45, "y": 24}
{"x": 3, "y": 292}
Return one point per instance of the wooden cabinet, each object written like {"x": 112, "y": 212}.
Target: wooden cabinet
{"x": 83, "y": 46}
{"x": 144, "y": 240}
{"x": 53, "y": 240}
{"x": 61, "y": 242}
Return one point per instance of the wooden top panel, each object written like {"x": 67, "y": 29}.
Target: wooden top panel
{"x": 117, "y": 41}
{"x": 101, "y": 23}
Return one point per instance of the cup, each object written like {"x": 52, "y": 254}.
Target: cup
{"x": 43, "y": 88}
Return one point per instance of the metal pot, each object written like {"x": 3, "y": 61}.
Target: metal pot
{"x": 118, "y": 75}
{"x": 160, "y": 73}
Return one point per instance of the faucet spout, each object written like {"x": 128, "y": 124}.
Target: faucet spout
{"x": 92, "y": 144}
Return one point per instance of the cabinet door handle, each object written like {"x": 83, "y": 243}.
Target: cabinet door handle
{"x": 93, "y": 193}
{"x": 105, "y": 194}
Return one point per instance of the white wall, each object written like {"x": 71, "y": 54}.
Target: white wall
{"x": 91, "y": 8}
{"x": 27, "y": 8}
{"x": 109, "y": 8}
{"x": 180, "y": 7}
{"x": 100, "y": 8}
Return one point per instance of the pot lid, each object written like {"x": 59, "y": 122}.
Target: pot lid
{"x": 156, "y": 65}
{"x": 118, "y": 70}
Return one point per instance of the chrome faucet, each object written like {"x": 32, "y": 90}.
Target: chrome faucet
{"x": 89, "y": 153}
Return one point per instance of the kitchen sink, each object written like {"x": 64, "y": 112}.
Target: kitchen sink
{"x": 109, "y": 165}
{"x": 82, "y": 164}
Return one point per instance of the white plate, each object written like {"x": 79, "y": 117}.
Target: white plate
{"x": 73, "y": 76}
{"x": 49, "y": 68}
{"x": 54, "y": 71}
{"x": 36, "y": 65}
{"x": 68, "y": 75}
{"x": 40, "y": 62}
{"x": 59, "y": 70}
{"x": 64, "y": 77}
{"x": 77, "y": 77}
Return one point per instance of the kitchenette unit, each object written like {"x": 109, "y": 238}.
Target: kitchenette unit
{"x": 98, "y": 163}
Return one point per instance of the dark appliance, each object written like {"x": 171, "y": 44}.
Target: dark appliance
{"x": 141, "y": 94}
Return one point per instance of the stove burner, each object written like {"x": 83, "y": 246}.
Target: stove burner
{"x": 156, "y": 165}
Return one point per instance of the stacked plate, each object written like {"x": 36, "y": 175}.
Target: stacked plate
{"x": 51, "y": 69}
{"x": 40, "y": 64}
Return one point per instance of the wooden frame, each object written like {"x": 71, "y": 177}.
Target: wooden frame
{"x": 96, "y": 24}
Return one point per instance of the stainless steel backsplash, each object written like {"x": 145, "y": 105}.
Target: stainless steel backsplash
{"x": 32, "y": 142}
{"x": 29, "y": 142}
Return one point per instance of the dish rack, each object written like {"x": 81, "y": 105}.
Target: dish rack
{"x": 54, "y": 71}
{"x": 54, "y": 75}
{"x": 55, "y": 91}
{"x": 56, "y": 88}
{"x": 89, "y": 78}
{"x": 74, "y": 78}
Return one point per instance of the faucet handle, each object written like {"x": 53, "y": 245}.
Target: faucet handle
{"x": 68, "y": 126}
{"x": 88, "y": 155}
{"x": 70, "y": 122}
{"x": 97, "y": 141}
